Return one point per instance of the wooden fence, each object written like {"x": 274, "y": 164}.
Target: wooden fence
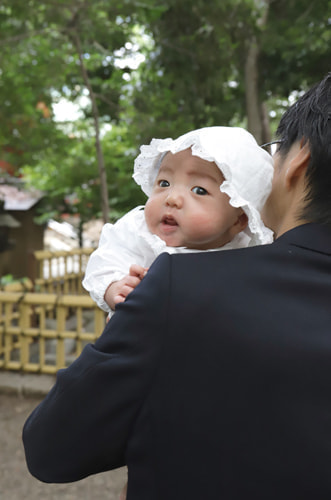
{"x": 43, "y": 332}
{"x": 61, "y": 272}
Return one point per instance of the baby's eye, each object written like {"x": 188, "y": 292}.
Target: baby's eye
{"x": 199, "y": 190}
{"x": 163, "y": 183}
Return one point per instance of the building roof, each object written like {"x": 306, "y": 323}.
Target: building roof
{"x": 18, "y": 198}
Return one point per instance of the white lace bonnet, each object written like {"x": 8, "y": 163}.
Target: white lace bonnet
{"x": 247, "y": 169}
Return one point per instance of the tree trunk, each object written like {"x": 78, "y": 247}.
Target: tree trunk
{"x": 254, "y": 119}
{"x": 95, "y": 113}
{"x": 266, "y": 133}
{"x": 257, "y": 116}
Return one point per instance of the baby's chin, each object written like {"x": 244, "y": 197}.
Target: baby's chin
{"x": 171, "y": 241}
{"x": 178, "y": 241}
{"x": 170, "y": 235}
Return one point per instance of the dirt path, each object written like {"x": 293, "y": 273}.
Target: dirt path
{"x": 15, "y": 481}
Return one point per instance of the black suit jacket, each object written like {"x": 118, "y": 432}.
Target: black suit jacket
{"x": 211, "y": 381}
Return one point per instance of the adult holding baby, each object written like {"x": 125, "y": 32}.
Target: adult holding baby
{"x": 212, "y": 379}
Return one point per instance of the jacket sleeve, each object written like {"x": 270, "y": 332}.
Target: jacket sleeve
{"x": 111, "y": 261}
{"x": 83, "y": 424}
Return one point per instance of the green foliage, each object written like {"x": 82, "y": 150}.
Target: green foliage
{"x": 72, "y": 182}
{"x": 190, "y": 72}
{"x": 192, "y": 76}
{"x": 6, "y": 279}
{"x": 39, "y": 63}
{"x": 296, "y": 54}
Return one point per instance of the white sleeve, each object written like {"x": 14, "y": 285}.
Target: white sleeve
{"x": 118, "y": 249}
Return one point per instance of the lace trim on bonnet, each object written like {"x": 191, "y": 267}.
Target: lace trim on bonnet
{"x": 247, "y": 169}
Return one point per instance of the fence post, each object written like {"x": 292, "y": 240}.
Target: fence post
{"x": 60, "y": 329}
{"x": 24, "y": 323}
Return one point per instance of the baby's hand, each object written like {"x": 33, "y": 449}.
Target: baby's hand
{"x": 119, "y": 290}
{"x": 138, "y": 271}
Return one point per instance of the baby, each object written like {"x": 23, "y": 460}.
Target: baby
{"x": 205, "y": 190}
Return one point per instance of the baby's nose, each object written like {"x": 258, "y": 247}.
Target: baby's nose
{"x": 175, "y": 198}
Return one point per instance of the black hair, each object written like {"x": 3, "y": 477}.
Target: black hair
{"x": 310, "y": 119}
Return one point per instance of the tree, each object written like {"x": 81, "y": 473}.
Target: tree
{"x": 76, "y": 191}
{"x": 28, "y": 66}
{"x": 82, "y": 37}
{"x": 226, "y": 62}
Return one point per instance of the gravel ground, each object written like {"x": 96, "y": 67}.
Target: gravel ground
{"x": 15, "y": 481}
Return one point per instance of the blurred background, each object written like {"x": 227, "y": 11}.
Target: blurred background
{"x": 84, "y": 83}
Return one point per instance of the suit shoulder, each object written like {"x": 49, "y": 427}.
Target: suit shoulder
{"x": 226, "y": 255}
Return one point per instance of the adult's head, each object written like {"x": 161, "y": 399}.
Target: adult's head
{"x": 301, "y": 189}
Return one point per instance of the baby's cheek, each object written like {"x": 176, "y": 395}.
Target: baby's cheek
{"x": 149, "y": 212}
{"x": 201, "y": 220}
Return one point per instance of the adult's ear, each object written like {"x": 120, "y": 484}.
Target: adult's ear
{"x": 297, "y": 164}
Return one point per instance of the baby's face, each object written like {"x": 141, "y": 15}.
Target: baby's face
{"x": 186, "y": 207}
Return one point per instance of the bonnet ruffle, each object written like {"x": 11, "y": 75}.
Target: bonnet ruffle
{"x": 247, "y": 169}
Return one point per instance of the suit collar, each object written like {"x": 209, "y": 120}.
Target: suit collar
{"x": 312, "y": 236}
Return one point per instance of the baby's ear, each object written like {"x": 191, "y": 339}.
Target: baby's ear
{"x": 242, "y": 221}
{"x": 240, "y": 224}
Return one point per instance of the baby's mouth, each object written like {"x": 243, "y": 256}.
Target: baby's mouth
{"x": 168, "y": 220}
